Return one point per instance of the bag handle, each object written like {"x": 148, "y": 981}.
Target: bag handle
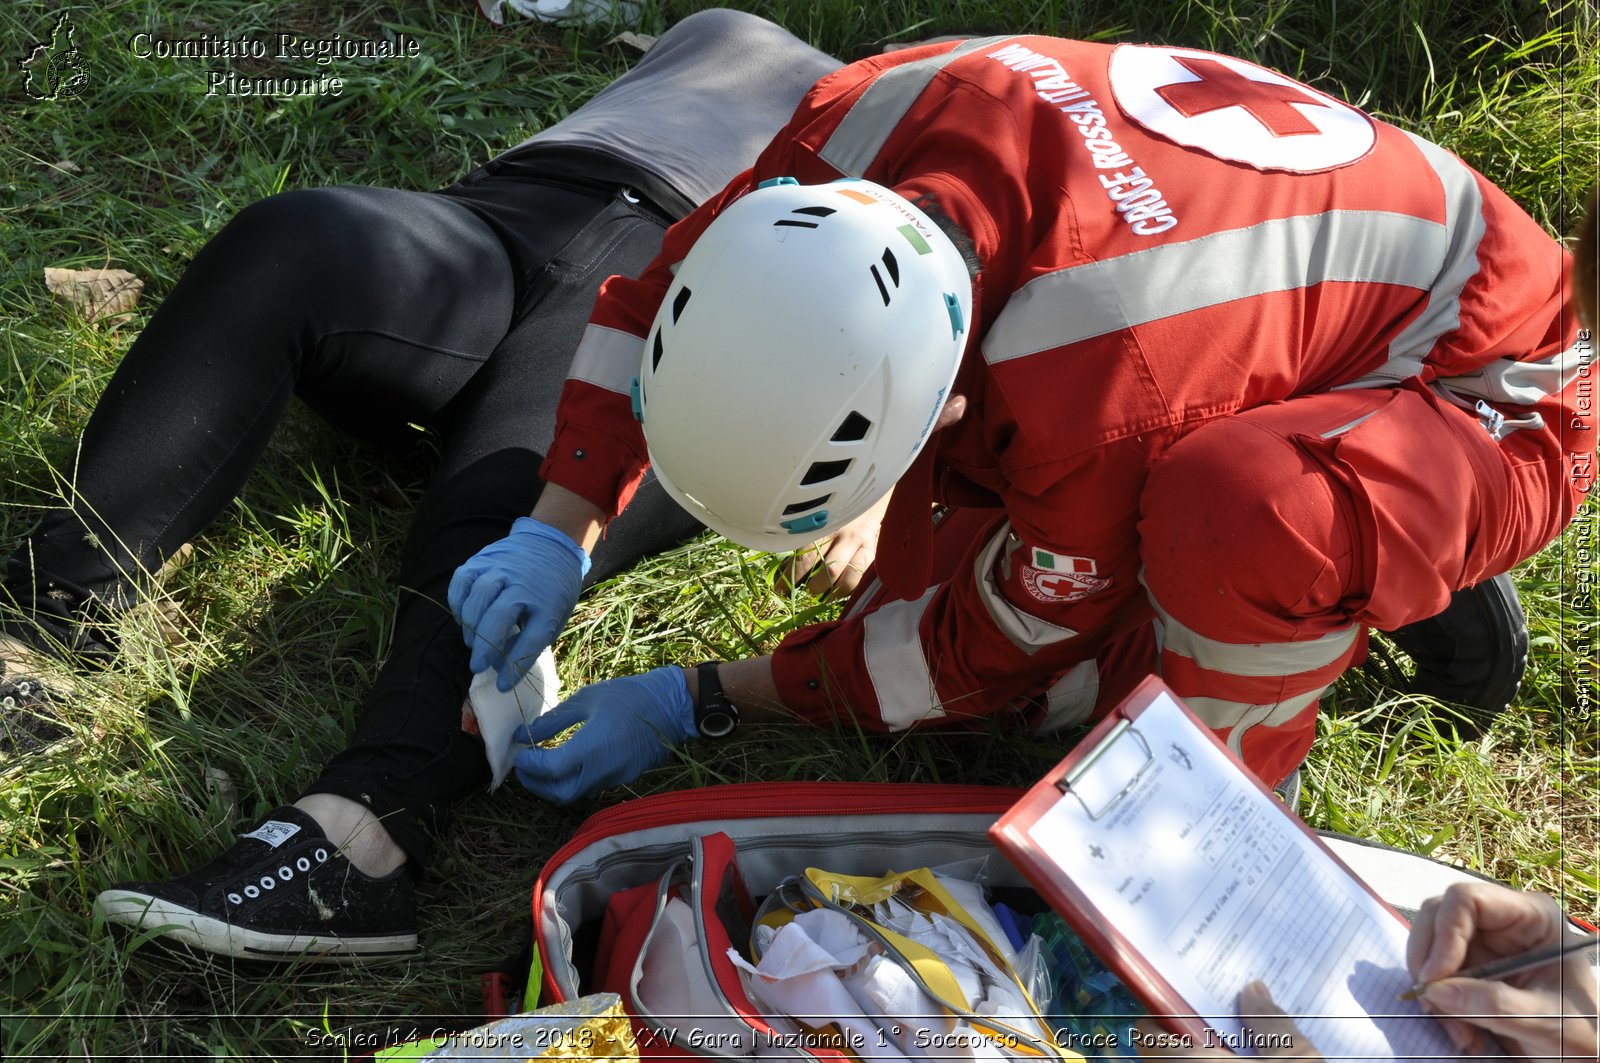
{"x": 681, "y": 873}
{"x": 675, "y": 875}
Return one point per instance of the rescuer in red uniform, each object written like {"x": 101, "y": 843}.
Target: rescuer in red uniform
{"x": 1210, "y": 373}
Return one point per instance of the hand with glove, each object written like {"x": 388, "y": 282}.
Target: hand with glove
{"x": 625, "y": 727}
{"x": 514, "y": 596}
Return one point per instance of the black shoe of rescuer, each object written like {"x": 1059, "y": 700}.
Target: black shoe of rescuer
{"x": 1474, "y": 653}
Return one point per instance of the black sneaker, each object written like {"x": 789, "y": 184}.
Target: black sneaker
{"x": 29, "y": 714}
{"x": 1472, "y": 655}
{"x": 283, "y": 892}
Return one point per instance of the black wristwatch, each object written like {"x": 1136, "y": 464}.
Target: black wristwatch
{"x": 714, "y": 715}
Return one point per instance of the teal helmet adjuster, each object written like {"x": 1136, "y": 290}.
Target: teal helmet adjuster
{"x": 952, "y": 306}
{"x": 809, "y": 523}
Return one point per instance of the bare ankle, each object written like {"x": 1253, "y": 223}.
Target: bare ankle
{"x": 358, "y": 833}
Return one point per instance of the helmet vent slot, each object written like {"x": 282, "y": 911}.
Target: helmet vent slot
{"x": 853, "y": 429}
{"x": 679, "y": 303}
{"x": 801, "y": 507}
{"x": 883, "y": 291}
{"x": 815, "y": 212}
{"x": 892, "y": 267}
{"x": 794, "y": 223}
{"x": 825, "y": 470}
{"x": 655, "y": 351}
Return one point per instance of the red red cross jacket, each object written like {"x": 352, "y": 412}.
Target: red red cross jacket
{"x": 1166, "y": 237}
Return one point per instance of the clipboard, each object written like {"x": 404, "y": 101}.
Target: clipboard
{"x": 1151, "y": 794}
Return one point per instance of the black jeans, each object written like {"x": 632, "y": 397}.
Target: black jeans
{"x": 457, "y": 310}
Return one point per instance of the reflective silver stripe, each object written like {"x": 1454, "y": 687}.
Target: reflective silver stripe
{"x": 1027, "y": 632}
{"x": 1220, "y": 714}
{"x": 1250, "y": 659}
{"x": 866, "y": 598}
{"x": 1464, "y": 226}
{"x": 1522, "y": 383}
{"x": 892, "y": 646}
{"x": 1239, "y": 719}
{"x": 607, "y": 358}
{"x": 1070, "y": 699}
{"x": 1390, "y": 373}
{"x": 1098, "y": 298}
{"x": 878, "y": 111}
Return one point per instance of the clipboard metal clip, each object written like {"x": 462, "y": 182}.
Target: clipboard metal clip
{"x": 1098, "y": 800}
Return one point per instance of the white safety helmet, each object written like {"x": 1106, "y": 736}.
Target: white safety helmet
{"x": 800, "y": 357}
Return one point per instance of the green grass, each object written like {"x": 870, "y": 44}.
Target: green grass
{"x": 287, "y": 607}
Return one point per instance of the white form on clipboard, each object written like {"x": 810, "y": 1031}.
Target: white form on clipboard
{"x": 1186, "y": 863}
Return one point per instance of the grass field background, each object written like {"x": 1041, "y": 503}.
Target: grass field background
{"x": 285, "y": 611}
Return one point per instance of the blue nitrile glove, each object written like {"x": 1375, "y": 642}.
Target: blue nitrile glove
{"x": 629, "y": 725}
{"x": 514, "y": 596}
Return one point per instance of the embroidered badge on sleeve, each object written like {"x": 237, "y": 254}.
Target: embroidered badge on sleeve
{"x": 1052, "y": 577}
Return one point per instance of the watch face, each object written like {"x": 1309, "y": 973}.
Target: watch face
{"x": 716, "y": 723}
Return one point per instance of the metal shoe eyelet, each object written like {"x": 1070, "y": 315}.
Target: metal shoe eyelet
{"x": 322, "y": 856}
{"x": 9, "y": 702}
{"x": 234, "y": 898}
{"x": 268, "y": 882}
{"x": 303, "y": 864}
{"x": 252, "y": 892}
{"x": 24, "y": 688}
{"x": 285, "y": 874}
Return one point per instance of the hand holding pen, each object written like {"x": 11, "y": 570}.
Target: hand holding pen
{"x": 1543, "y": 1012}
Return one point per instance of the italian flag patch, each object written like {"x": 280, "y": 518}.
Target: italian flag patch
{"x": 1077, "y": 566}
{"x": 1055, "y": 578}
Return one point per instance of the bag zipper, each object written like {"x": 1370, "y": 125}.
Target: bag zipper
{"x": 759, "y": 800}
{"x": 696, "y": 887}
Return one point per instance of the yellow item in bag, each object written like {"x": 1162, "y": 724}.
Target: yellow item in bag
{"x": 591, "y": 1027}
{"x": 918, "y": 925}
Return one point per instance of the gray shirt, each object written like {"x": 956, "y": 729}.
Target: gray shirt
{"x": 693, "y": 114}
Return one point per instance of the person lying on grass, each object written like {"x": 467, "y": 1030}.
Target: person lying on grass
{"x": 459, "y": 310}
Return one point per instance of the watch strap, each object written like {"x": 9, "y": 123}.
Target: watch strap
{"x": 715, "y": 716}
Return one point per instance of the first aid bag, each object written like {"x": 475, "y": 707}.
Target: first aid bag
{"x": 796, "y": 920}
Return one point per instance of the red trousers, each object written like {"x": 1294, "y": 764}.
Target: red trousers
{"x": 1274, "y": 538}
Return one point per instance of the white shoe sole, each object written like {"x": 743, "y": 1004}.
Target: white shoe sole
{"x": 142, "y": 912}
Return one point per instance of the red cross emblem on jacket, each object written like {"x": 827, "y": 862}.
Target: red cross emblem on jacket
{"x": 1236, "y": 110}
{"x": 1221, "y": 86}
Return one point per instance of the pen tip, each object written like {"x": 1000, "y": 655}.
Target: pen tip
{"x": 1410, "y": 994}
